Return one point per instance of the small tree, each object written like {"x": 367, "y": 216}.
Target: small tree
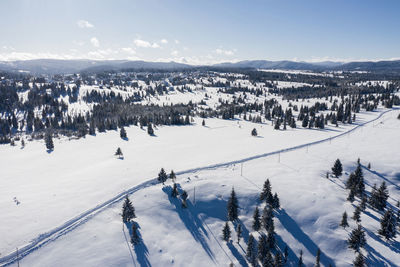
{"x": 128, "y": 211}
{"x": 122, "y": 133}
{"x": 356, "y": 214}
{"x": 275, "y": 203}
{"x": 226, "y": 232}
{"x": 266, "y": 193}
{"x": 203, "y": 123}
{"x": 256, "y": 220}
{"x": 119, "y": 153}
{"x": 150, "y": 130}
{"x": 359, "y": 261}
{"x": 337, "y": 168}
{"x": 172, "y": 176}
{"x": 388, "y": 225}
{"x": 344, "y": 222}
{"x": 22, "y": 143}
{"x": 162, "y": 176}
{"x": 233, "y": 206}
{"x": 301, "y": 259}
{"x": 254, "y": 132}
{"x": 250, "y": 252}
{"x": 239, "y": 232}
{"x": 262, "y": 247}
{"x": 49, "y": 141}
{"x": 357, "y": 238}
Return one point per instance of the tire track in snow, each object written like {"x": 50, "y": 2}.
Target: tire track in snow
{"x": 80, "y": 219}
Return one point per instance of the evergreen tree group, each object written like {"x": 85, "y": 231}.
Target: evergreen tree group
{"x": 379, "y": 196}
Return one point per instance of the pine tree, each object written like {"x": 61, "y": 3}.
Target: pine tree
{"x": 174, "y": 192}
{"x": 128, "y": 211}
{"x": 239, "y": 232}
{"x": 379, "y": 196}
{"x": 388, "y": 225}
{"x": 162, "y": 176}
{"x": 254, "y": 132}
{"x": 119, "y": 153}
{"x": 318, "y": 258}
{"x": 203, "y": 123}
{"x": 356, "y": 214}
{"x": 150, "y": 130}
{"x": 357, "y": 238}
{"x": 266, "y": 193}
{"x": 369, "y": 166}
{"x": 172, "y": 176}
{"x": 344, "y": 222}
{"x": 226, "y": 232}
{"x": 267, "y": 217}
{"x": 351, "y": 195}
{"x": 271, "y": 236}
{"x": 268, "y": 260}
{"x": 135, "y": 238}
{"x": 275, "y": 202}
{"x": 250, "y": 252}
{"x": 122, "y": 133}
{"x": 256, "y": 220}
{"x": 262, "y": 247}
{"x": 337, "y": 168}
{"x": 359, "y": 261}
{"x": 49, "y": 141}
{"x": 233, "y": 206}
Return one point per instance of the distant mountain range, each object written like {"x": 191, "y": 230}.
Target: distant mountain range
{"x": 54, "y": 66}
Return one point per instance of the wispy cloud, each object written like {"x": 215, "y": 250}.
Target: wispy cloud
{"x": 84, "y": 24}
{"x": 224, "y": 52}
{"x": 145, "y": 44}
{"x": 95, "y": 42}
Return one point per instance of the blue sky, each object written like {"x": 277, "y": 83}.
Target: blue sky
{"x": 200, "y": 32}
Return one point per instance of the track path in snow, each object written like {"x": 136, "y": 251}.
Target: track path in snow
{"x": 80, "y": 219}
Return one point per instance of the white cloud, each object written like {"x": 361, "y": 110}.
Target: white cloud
{"x": 129, "y": 50}
{"x": 145, "y": 44}
{"x": 175, "y": 53}
{"x": 177, "y": 42}
{"x": 224, "y": 52}
{"x": 84, "y": 24}
{"x": 95, "y": 42}
{"x": 164, "y": 41}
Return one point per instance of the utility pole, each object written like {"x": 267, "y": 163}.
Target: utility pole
{"x": 17, "y": 258}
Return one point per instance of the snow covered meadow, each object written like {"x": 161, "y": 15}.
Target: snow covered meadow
{"x": 80, "y": 174}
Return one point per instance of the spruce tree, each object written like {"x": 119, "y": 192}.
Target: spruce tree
{"x": 128, "y": 211}
{"x": 356, "y": 214}
{"x": 122, "y": 133}
{"x": 266, "y": 193}
{"x": 357, "y": 238}
{"x": 162, "y": 176}
{"x": 300, "y": 263}
{"x": 256, "y": 220}
{"x": 254, "y": 132}
{"x": 344, "y": 222}
{"x": 275, "y": 202}
{"x": 172, "y": 176}
{"x": 278, "y": 261}
{"x": 388, "y": 225}
{"x": 363, "y": 203}
{"x": 262, "y": 247}
{"x": 351, "y": 195}
{"x": 226, "y": 232}
{"x": 239, "y": 232}
{"x": 268, "y": 260}
{"x": 337, "y": 168}
{"x": 267, "y": 217}
{"x": 49, "y": 141}
{"x": 203, "y": 123}
{"x": 119, "y": 153}
{"x": 250, "y": 252}
{"x": 150, "y": 130}
{"x": 233, "y": 206}
{"x": 271, "y": 237}
{"x": 379, "y": 196}
{"x": 359, "y": 261}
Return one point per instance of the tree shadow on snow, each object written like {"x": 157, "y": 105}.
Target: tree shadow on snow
{"x": 242, "y": 261}
{"x": 140, "y": 249}
{"x": 190, "y": 220}
{"x": 293, "y": 228}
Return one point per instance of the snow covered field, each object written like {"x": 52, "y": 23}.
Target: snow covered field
{"x": 80, "y": 174}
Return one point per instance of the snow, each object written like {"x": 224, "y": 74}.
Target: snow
{"x": 53, "y": 188}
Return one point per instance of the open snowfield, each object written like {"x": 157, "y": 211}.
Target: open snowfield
{"x": 80, "y": 174}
